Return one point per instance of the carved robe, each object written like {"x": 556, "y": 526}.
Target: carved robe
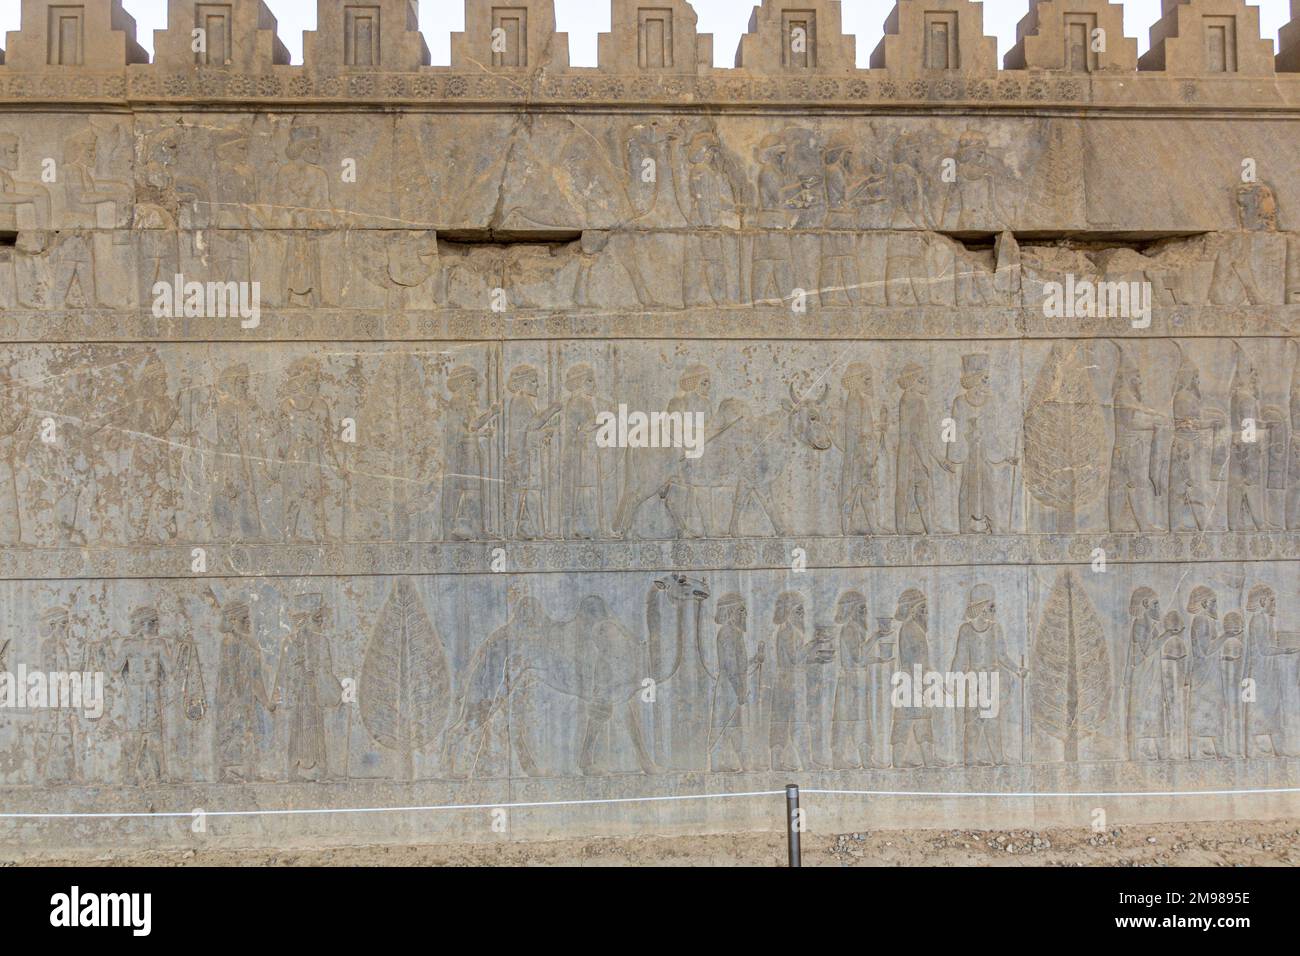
{"x": 913, "y": 486}
{"x": 1209, "y": 701}
{"x": 1146, "y": 714}
{"x": 305, "y": 686}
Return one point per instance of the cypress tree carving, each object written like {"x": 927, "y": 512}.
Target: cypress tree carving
{"x": 405, "y": 681}
{"x": 1064, "y": 436}
{"x": 1070, "y": 665}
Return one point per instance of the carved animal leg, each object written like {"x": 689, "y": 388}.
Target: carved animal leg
{"x": 595, "y": 720}
{"x": 773, "y": 515}
{"x": 633, "y": 718}
{"x": 518, "y": 739}
{"x": 738, "y": 502}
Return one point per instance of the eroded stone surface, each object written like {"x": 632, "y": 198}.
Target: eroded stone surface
{"x": 356, "y": 539}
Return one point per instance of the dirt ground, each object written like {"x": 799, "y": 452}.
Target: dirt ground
{"x": 1196, "y": 844}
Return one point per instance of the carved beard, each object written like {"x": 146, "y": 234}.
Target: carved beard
{"x": 977, "y": 395}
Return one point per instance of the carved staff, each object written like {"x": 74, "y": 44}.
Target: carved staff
{"x": 1024, "y": 711}
{"x": 1015, "y": 477}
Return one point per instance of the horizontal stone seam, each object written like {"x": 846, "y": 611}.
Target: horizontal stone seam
{"x": 657, "y": 569}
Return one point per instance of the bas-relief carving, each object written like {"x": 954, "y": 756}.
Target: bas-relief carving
{"x": 750, "y": 671}
{"x": 176, "y": 444}
{"x": 946, "y": 469}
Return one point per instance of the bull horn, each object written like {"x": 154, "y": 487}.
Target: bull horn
{"x": 793, "y": 397}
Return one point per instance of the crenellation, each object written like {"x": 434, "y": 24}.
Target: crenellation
{"x": 235, "y": 35}
{"x": 1076, "y": 36}
{"x": 796, "y": 37}
{"x": 1288, "y": 52}
{"x": 55, "y": 36}
{"x": 511, "y": 36}
{"x": 936, "y": 38}
{"x": 654, "y": 36}
{"x": 380, "y": 36}
{"x": 1207, "y": 38}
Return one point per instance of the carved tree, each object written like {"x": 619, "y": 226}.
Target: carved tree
{"x": 1064, "y": 436}
{"x": 1070, "y": 664}
{"x": 405, "y": 680}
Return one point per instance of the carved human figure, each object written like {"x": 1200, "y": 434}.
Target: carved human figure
{"x": 14, "y": 418}
{"x": 240, "y": 688}
{"x": 861, "y": 440}
{"x": 302, "y": 193}
{"x": 709, "y": 196}
{"x": 918, "y": 449}
{"x": 1176, "y": 663}
{"x": 1208, "y": 697}
{"x": 581, "y": 503}
{"x": 736, "y": 689}
{"x": 788, "y": 737}
{"x": 306, "y": 689}
{"x": 972, "y": 450}
{"x": 1293, "y": 464}
{"x": 1240, "y": 276}
{"x": 1231, "y": 656}
{"x": 772, "y": 267}
{"x": 1133, "y": 458}
{"x": 1247, "y": 508}
{"x": 688, "y": 504}
{"x": 851, "y": 731}
{"x": 15, "y": 194}
{"x": 1264, "y": 714}
{"x": 977, "y": 201}
{"x": 33, "y": 269}
{"x": 152, "y": 671}
{"x": 235, "y": 190}
{"x": 531, "y": 431}
{"x": 1146, "y": 730}
{"x": 1187, "y": 490}
{"x": 839, "y": 279}
{"x": 465, "y": 427}
{"x": 236, "y": 498}
{"x": 89, "y": 201}
{"x": 981, "y": 650}
{"x": 161, "y": 202}
{"x": 56, "y": 747}
{"x": 912, "y": 730}
{"x": 149, "y": 416}
{"x": 306, "y": 461}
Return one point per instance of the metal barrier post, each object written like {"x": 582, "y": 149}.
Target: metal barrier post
{"x": 793, "y": 823}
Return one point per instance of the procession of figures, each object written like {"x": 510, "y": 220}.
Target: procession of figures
{"x": 777, "y": 674}
{"x": 130, "y": 445}
{"x": 831, "y": 218}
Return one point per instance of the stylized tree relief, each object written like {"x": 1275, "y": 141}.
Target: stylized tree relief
{"x": 1070, "y": 667}
{"x": 1064, "y": 435}
{"x": 404, "y": 692}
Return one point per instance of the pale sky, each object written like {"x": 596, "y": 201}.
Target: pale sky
{"x": 725, "y": 19}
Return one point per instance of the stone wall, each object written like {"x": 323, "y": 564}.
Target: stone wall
{"x": 357, "y": 540}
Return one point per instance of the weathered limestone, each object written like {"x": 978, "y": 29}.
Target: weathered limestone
{"x": 802, "y": 39}
{"x": 1076, "y": 37}
{"x": 659, "y": 38}
{"x": 54, "y": 36}
{"x": 380, "y": 35}
{"x": 519, "y": 37}
{"x": 1288, "y": 53}
{"x": 945, "y": 36}
{"x": 1195, "y": 37}
{"x": 239, "y": 36}
{"x": 331, "y": 424}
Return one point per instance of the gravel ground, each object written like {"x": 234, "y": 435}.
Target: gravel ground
{"x": 1244, "y": 843}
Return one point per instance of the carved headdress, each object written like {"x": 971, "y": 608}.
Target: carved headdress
{"x": 847, "y": 602}
{"x": 1200, "y": 596}
{"x": 908, "y": 602}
